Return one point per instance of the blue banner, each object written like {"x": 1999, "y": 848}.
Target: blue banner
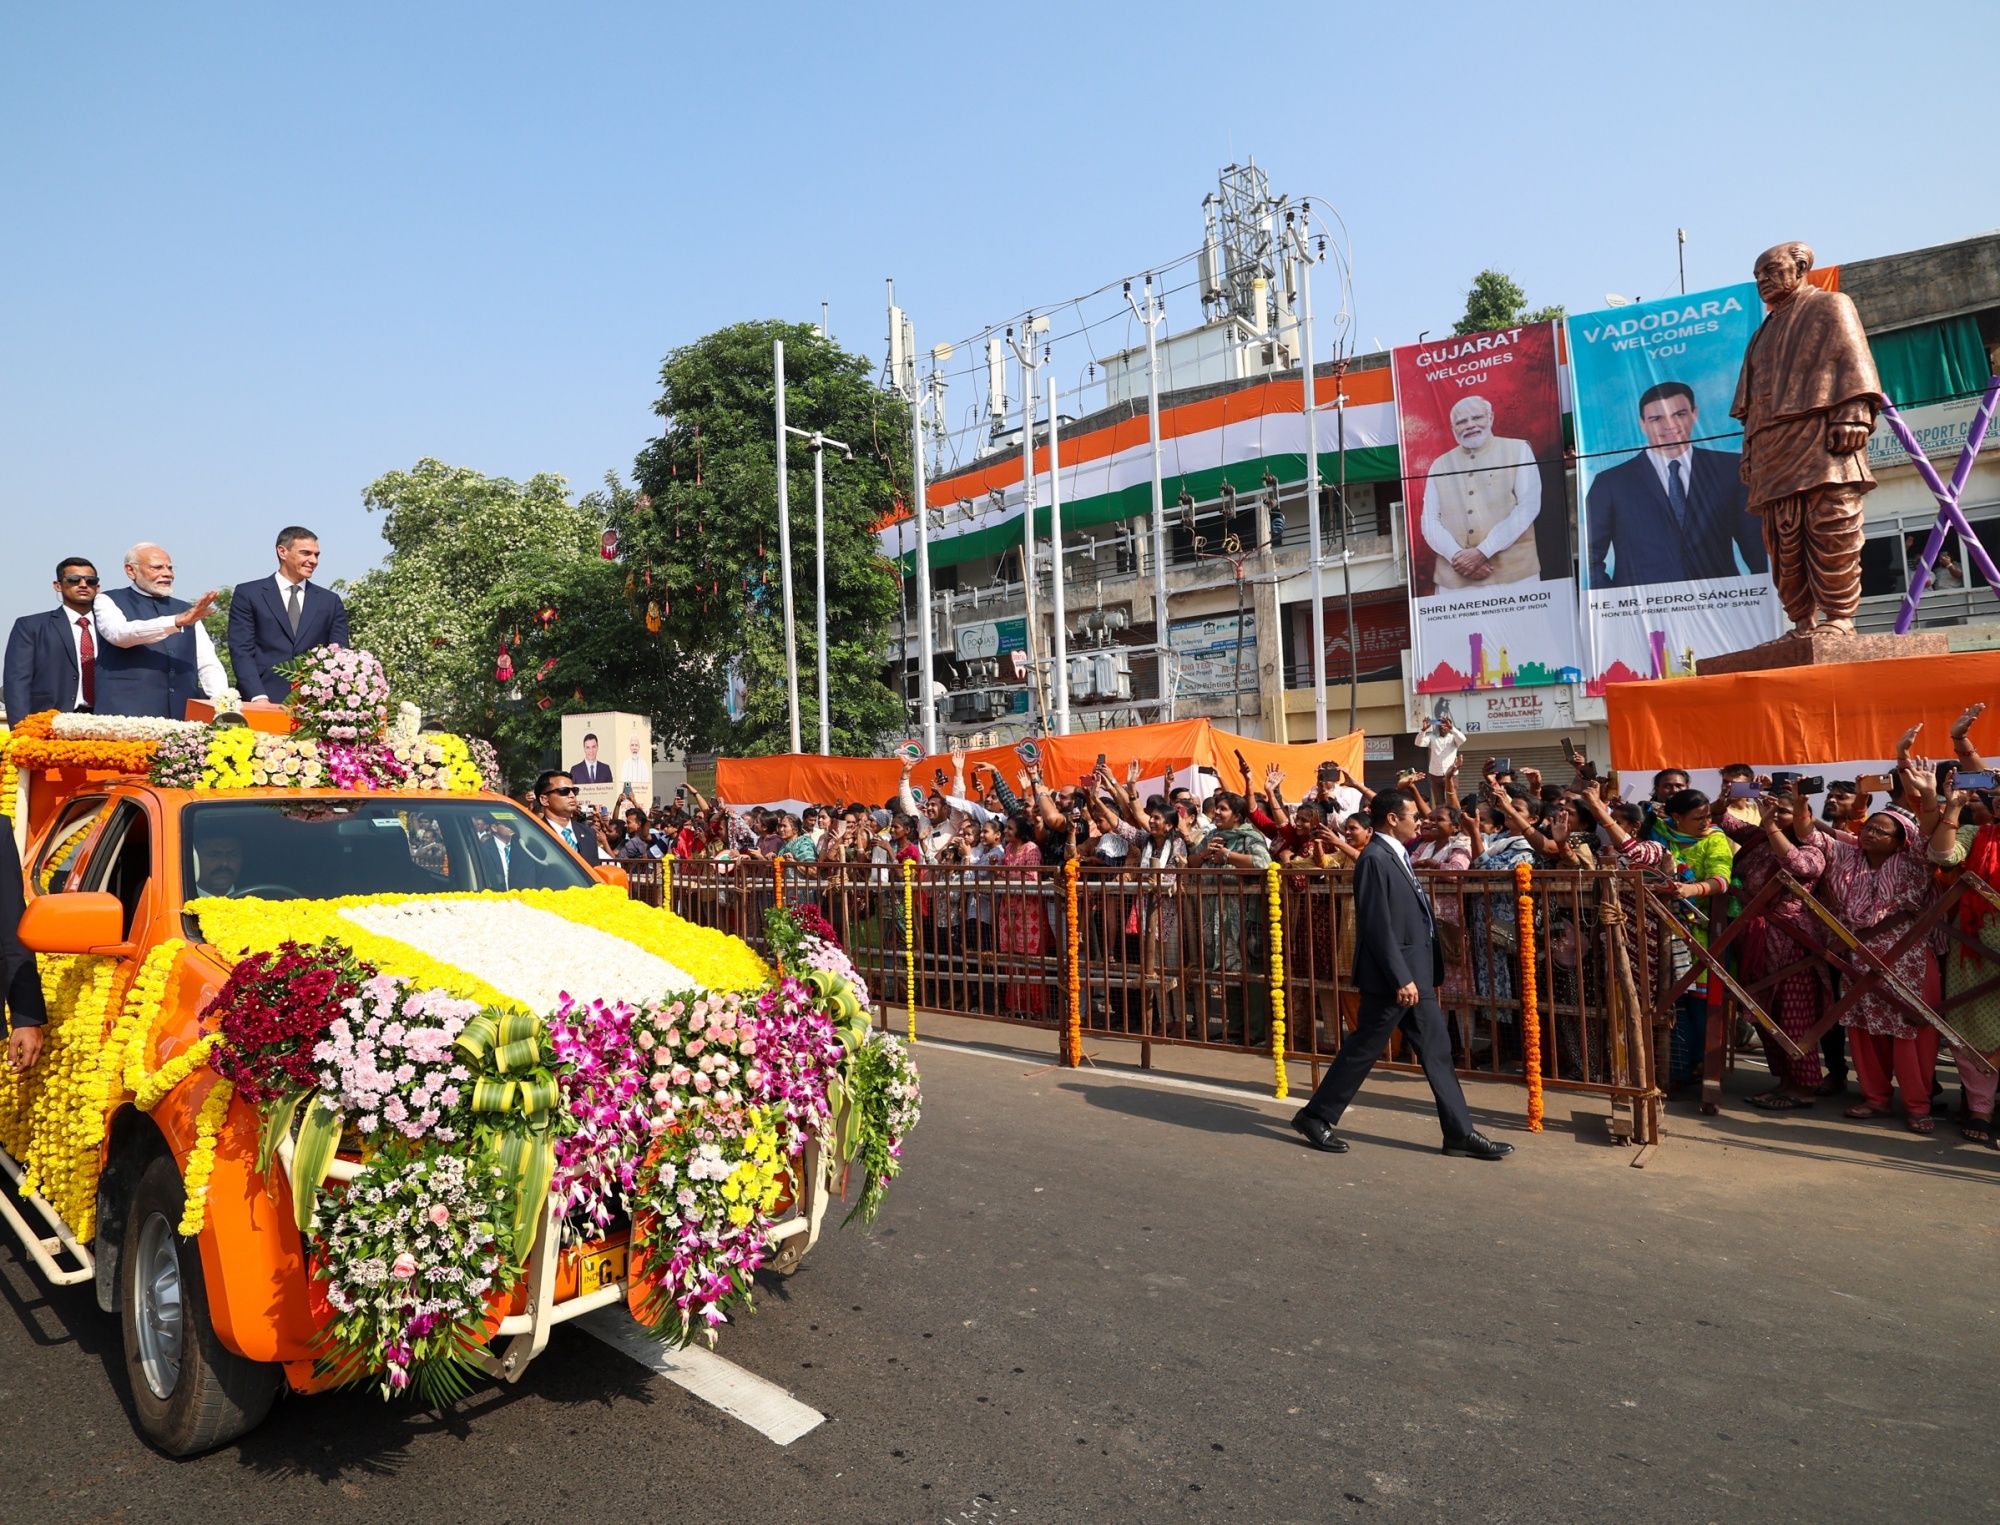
{"x": 1673, "y": 563}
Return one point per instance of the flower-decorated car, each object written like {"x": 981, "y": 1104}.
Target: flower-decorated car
{"x": 355, "y": 1072}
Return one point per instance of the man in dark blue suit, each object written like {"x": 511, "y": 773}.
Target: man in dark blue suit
{"x": 1398, "y": 965}
{"x": 282, "y": 616}
{"x": 1672, "y": 512}
{"x": 52, "y": 656}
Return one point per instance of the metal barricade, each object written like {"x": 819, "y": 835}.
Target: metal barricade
{"x": 1184, "y": 956}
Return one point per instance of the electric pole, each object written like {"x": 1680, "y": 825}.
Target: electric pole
{"x": 903, "y": 377}
{"x": 1302, "y": 235}
{"x": 1030, "y": 374}
{"x": 785, "y": 548}
{"x": 1153, "y": 314}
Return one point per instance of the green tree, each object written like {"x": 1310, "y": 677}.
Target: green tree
{"x": 434, "y": 610}
{"x": 1496, "y": 300}
{"x": 700, "y": 536}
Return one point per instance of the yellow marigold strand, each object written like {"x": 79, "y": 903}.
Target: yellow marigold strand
{"x": 138, "y": 1037}
{"x": 201, "y": 1159}
{"x": 910, "y": 941}
{"x": 1283, "y": 1087}
{"x": 1073, "y": 1018}
{"x": 1531, "y": 1015}
{"x": 173, "y": 1072}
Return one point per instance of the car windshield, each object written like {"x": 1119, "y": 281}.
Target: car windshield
{"x": 315, "y": 849}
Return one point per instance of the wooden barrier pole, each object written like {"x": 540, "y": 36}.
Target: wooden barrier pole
{"x": 910, "y": 941}
{"x": 1073, "y": 1027}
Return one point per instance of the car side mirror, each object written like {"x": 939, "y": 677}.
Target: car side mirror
{"x": 82, "y": 921}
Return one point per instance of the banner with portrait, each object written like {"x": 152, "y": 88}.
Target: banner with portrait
{"x": 1479, "y": 422}
{"x": 1674, "y": 568}
{"x": 609, "y": 756}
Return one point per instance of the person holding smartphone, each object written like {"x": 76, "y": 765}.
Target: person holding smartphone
{"x": 1958, "y": 842}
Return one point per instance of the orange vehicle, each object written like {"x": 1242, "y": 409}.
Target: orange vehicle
{"x": 106, "y": 1148}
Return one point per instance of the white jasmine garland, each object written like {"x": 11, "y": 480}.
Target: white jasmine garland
{"x": 532, "y": 955}
{"x": 72, "y": 727}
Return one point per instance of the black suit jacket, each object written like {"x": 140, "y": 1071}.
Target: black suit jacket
{"x": 20, "y": 984}
{"x": 1394, "y": 941}
{"x": 41, "y": 664}
{"x": 260, "y": 633}
{"x": 1628, "y": 512}
{"x": 584, "y": 771}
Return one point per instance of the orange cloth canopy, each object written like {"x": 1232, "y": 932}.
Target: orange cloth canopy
{"x": 793, "y": 779}
{"x": 1797, "y": 715}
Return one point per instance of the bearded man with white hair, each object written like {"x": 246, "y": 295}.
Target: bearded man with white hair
{"x": 154, "y": 653}
{"x": 1481, "y": 499}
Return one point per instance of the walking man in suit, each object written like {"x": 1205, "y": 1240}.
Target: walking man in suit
{"x": 1398, "y": 965}
{"x": 1672, "y": 512}
{"x": 282, "y": 616}
{"x": 52, "y": 656}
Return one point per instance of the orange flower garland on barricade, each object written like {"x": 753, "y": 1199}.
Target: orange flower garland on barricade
{"x": 1283, "y": 1087}
{"x": 1073, "y": 1026}
{"x": 31, "y": 745}
{"x": 1531, "y": 1013}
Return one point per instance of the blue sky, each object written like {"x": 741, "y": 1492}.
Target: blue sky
{"x": 254, "y": 256}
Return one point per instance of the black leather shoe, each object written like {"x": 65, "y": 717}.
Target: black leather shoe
{"x": 1477, "y": 1146}
{"x": 1318, "y": 1134}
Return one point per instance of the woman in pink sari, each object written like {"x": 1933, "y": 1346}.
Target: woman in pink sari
{"x": 1877, "y": 885}
{"x": 1019, "y": 923}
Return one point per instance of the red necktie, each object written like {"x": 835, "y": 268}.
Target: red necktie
{"x": 87, "y": 650}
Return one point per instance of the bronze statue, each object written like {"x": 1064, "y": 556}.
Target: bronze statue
{"x": 1808, "y": 396}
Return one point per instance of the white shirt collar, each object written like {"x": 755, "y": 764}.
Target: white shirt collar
{"x": 1396, "y": 847}
{"x": 285, "y": 582}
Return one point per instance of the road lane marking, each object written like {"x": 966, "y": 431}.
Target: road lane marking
{"x": 764, "y": 1406}
{"x": 1137, "y": 1077}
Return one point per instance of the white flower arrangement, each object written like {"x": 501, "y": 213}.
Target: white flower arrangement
{"x": 535, "y": 956}
{"x": 72, "y": 727}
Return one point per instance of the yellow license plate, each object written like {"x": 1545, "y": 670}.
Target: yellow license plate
{"x": 598, "y": 1269}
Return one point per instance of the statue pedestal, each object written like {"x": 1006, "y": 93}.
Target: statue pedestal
{"x": 1821, "y": 647}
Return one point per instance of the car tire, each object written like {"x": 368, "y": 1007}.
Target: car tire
{"x": 190, "y": 1393}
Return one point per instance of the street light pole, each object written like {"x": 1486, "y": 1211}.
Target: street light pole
{"x": 1030, "y": 372}
{"x": 785, "y": 546}
{"x": 1312, "y": 481}
{"x": 819, "y": 443}
{"x": 1152, "y": 317}
{"x": 1061, "y": 674}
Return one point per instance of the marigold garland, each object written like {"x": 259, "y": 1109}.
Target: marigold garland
{"x": 173, "y": 1072}
{"x": 1531, "y": 1015}
{"x": 136, "y": 1038}
{"x": 9, "y": 777}
{"x": 33, "y": 744}
{"x": 1283, "y": 1086}
{"x": 50, "y": 1118}
{"x": 201, "y": 1158}
{"x": 910, "y": 941}
{"x": 1073, "y": 1024}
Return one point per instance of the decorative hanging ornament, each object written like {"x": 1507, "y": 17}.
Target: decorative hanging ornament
{"x": 504, "y": 670}
{"x": 607, "y": 545}
{"x": 653, "y": 616}
{"x": 548, "y": 615}
{"x": 546, "y": 668}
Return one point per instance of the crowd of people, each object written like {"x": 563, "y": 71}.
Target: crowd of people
{"x": 1871, "y": 853}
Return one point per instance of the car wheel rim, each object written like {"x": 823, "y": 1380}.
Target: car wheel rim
{"x": 158, "y": 1316}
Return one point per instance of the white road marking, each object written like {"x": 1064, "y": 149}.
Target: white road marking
{"x": 764, "y": 1406}
{"x": 1138, "y": 1077}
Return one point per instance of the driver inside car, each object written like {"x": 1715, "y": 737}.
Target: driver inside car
{"x": 218, "y": 866}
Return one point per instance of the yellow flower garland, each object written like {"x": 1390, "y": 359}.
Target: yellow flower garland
{"x": 50, "y": 1118}
{"x": 1073, "y": 1019}
{"x": 910, "y": 941}
{"x": 201, "y": 1158}
{"x": 714, "y": 959}
{"x": 1531, "y": 1016}
{"x": 135, "y": 1037}
{"x": 9, "y": 777}
{"x": 1283, "y": 1088}
{"x": 173, "y": 1072}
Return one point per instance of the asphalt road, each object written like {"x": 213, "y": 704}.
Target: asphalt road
{"x": 1091, "y": 1297}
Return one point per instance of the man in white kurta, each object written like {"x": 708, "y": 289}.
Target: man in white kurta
{"x": 1481, "y": 499}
